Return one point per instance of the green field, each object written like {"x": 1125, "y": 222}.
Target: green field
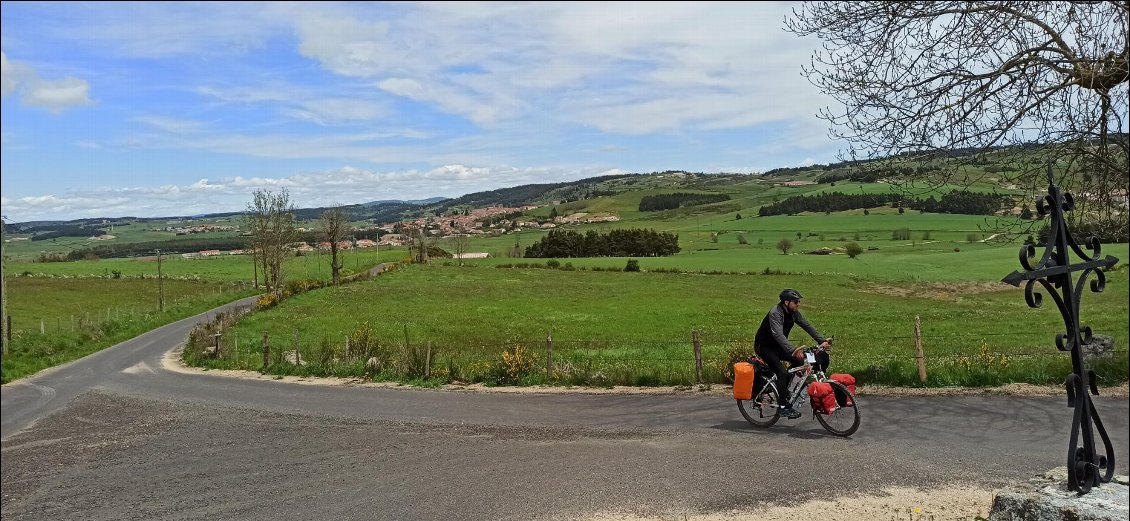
{"x": 56, "y": 320}
{"x": 638, "y": 327}
{"x": 219, "y": 268}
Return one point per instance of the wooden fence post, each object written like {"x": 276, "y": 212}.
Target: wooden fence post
{"x": 918, "y": 353}
{"x": 697, "y": 356}
{"x": 297, "y": 358}
{"x": 266, "y": 352}
{"x": 41, "y": 328}
{"x": 428, "y": 361}
{"x": 549, "y": 354}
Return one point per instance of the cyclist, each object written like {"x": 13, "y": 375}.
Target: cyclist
{"x": 772, "y": 344}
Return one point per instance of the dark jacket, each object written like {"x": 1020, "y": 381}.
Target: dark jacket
{"x": 774, "y": 331}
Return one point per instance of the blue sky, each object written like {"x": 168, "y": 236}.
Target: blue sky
{"x": 154, "y": 109}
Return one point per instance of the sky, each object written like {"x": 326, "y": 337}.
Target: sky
{"x": 157, "y": 109}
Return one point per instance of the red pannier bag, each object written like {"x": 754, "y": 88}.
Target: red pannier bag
{"x": 848, "y": 381}
{"x": 822, "y": 396}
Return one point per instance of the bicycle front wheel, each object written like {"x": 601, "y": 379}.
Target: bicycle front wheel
{"x": 843, "y": 421}
{"x": 761, "y": 410}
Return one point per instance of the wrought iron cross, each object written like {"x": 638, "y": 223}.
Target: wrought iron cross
{"x": 1053, "y": 272}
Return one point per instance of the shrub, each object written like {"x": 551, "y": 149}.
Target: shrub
{"x": 266, "y": 301}
{"x": 853, "y": 249}
{"x": 363, "y": 345}
{"x": 553, "y": 264}
{"x": 633, "y": 265}
{"x": 513, "y": 365}
{"x": 785, "y": 245}
{"x": 415, "y": 361}
{"x": 296, "y": 286}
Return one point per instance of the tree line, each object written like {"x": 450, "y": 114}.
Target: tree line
{"x": 68, "y": 231}
{"x": 616, "y": 243}
{"x": 654, "y": 203}
{"x": 828, "y": 202}
{"x": 956, "y": 202}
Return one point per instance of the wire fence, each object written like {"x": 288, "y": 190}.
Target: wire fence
{"x": 693, "y": 360}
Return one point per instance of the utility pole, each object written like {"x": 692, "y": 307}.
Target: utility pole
{"x": 160, "y": 285}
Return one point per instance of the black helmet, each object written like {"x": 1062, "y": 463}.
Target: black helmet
{"x": 790, "y": 294}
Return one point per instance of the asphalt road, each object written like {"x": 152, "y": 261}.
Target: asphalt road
{"x": 117, "y": 436}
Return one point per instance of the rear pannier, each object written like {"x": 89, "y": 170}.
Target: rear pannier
{"x": 743, "y": 380}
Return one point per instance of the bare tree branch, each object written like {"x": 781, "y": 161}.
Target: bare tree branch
{"x": 335, "y": 226}
{"x": 922, "y": 81}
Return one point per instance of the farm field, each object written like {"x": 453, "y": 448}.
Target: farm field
{"x": 56, "y": 320}
{"x": 219, "y": 268}
{"x": 637, "y": 327}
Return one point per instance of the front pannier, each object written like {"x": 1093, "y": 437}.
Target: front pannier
{"x": 822, "y": 396}
{"x": 848, "y": 381}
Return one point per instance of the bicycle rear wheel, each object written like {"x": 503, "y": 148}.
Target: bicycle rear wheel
{"x": 843, "y": 421}
{"x": 761, "y": 410}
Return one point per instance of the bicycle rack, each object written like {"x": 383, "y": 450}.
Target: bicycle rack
{"x": 1054, "y": 272}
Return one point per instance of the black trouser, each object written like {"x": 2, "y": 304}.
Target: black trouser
{"x": 773, "y": 359}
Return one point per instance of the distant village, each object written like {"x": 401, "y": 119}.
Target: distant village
{"x": 479, "y": 221}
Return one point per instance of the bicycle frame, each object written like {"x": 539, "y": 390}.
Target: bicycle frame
{"x": 805, "y": 373}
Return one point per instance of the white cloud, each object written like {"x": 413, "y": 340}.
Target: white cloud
{"x": 625, "y": 68}
{"x": 328, "y": 111}
{"x": 171, "y": 125}
{"x": 407, "y": 93}
{"x": 53, "y": 95}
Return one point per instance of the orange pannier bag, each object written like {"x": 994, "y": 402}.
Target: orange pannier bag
{"x": 743, "y": 380}
{"x": 822, "y": 396}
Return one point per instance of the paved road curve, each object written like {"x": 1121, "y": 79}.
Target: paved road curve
{"x": 117, "y": 436}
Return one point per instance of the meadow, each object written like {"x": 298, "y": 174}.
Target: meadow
{"x": 218, "y": 268}
{"x": 615, "y": 327}
{"x": 55, "y": 320}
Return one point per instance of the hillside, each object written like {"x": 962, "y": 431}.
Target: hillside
{"x": 626, "y": 198}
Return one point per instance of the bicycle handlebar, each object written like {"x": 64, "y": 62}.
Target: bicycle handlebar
{"x": 817, "y": 349}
